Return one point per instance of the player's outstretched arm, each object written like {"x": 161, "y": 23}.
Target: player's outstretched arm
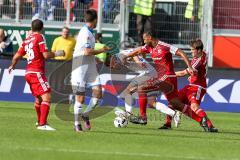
{"x": 15, "y": 59}
{"x": 90, "y": 51}
{"x": 181, "y": 73}
{"x": 134, "y": 52}
{"x": 58, "y": 53}
{"x": 136, "y": 59}
{"x": 180, "y": 53}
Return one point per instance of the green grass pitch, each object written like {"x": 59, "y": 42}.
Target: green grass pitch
{"x": 20, "y": 140}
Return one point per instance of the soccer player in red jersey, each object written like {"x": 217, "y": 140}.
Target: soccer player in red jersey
{"x": 36, "y": 49}
{"x": 193, "y": 92}
{"x": 147, "y": 74}
{"x": 161, "y": 54}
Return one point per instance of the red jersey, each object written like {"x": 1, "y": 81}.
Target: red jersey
{"x": 200, "y": 64}
{"x": 162, "y": 57}
{"x": 34, "y": 46}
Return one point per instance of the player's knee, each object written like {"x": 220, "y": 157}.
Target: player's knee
{"x": 38, "y": 101}
{"x": 98, "y": 95}
{"x": 194, "y": 106}
{"x": 95, "y": 101}
{"x": 177, "y": 104}
{"x": 80, "y": 99}
{"x": 46, "y": 97}
{"x": 127, "y": 91}
{"x": 151, "y": 103}
{"x": 141, "y": 89}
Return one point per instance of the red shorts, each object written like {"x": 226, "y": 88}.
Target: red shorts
{"x": 173, "y": 93}
{"x": 192, "y": 94}
{"x": 38, "y": 83}
{"x": 168, "y": 87}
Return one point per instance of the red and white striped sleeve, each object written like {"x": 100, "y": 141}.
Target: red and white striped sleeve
{"x": 145, "y": 49}
{"x": 21, "y": 50}
{"x": 42, "y": 44}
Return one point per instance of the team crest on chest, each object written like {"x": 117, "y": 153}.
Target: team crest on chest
{"x": 158, "y": 51}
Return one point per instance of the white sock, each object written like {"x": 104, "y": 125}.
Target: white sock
{"x": 92, "y": 104}
{"x": 164, "y": 109}
{"x": 128, "y": 103}
{"x": 77, "y": 110}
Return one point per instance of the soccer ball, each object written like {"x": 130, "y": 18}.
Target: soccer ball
{"x": 120, "y": 122}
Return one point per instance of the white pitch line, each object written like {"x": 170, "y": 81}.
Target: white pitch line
{"x": 134, "y": 154}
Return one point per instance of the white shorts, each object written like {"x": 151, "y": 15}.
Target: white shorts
{"x": 85, "y": 75}
{"x": 143, "y": 77}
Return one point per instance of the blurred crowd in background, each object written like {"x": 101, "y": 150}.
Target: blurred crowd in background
{"x": 55, "y": 10}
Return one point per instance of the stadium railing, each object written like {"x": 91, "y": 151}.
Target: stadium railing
{"x": 171, "y": 25}
{"x": 56, "y": 10}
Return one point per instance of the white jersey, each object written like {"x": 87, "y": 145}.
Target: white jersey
{"x": 146, "y": 70}
{"x": 85, "y": 39}
{"x": 84, "y": 70}
{"x": 143, "y": 67}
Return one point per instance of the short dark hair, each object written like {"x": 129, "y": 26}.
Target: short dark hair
{"x": 37, "y": 25}
{"x": 65, "y": 27}
{"x": 90, "y": 15}
{"x": 197, "y": 44}
{"x": 153, "y": 34}
{"x": 98, "y": 36}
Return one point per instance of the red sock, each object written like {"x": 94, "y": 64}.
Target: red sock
{"x": 142, "y": 100}
{"x": 37, "y": 108}
{"x": 209, "y": 123}
{"x": 190, "y": 113}
{"x": 169, "y": 118}
{"x": 200, "y": 113}
{"x": 45, "y": 106}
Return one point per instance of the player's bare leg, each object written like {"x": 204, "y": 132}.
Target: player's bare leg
{"x": 44, "y": 111}
{"x": 152, "y": 102}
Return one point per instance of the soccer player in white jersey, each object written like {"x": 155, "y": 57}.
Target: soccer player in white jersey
{"x": 147, "y": 74}
{"x": 84, "y": 71}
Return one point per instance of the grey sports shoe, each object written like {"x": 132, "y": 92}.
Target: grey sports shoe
{"x": 138, "y": 120}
